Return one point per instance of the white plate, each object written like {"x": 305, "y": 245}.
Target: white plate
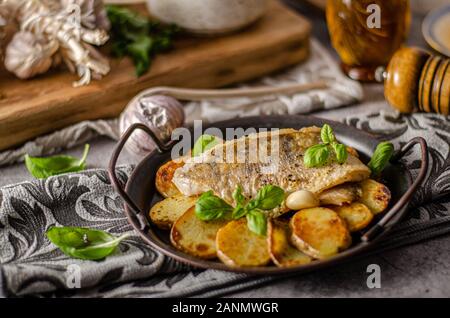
{"x": 436, "y": 29}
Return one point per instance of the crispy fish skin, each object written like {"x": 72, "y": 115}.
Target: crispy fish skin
{"x": 285, "y": 169}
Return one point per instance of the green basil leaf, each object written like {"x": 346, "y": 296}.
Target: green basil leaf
{"x": 381, "y": 157}
{"x": 54, "y": 165}
{"x": 327, "y": 135}
{"x": 84, "y": 243}
{"x": 268, "y": 198}
{"x": 341, "y": 152}
{"x": 257, "y": 222}
{"x": 204, "y": 143}
{"x": 210, "y": 207}
{"x": 238, "y": 212}
{"x": 316, "y": 156}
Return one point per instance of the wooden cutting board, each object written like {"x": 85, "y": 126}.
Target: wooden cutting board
{"x": 38, "y": 106}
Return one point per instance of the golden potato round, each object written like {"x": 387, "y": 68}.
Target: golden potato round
{"x": 356, "y": 215}
{"x": 237, "y": 246}
{"x": 282, "y": 252}
{"x": 164, "y": 213}
{"x": 319, "y": 232}
{"x": 194, "y": 236}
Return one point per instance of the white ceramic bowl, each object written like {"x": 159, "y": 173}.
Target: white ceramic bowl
{"x": 208, "y": 16}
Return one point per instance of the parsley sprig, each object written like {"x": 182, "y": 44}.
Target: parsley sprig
{"x": 137, "y": 37}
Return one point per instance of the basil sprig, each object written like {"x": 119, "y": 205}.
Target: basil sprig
{"x": 341, "y": 152}
{"x": 204, "y": 143}
{"x": 319, "y": 155}
{"x": 50, "y": 166}
{"x": 381, "y": 157}
{"x": 83, "y": 243}
{"x": 210, "y": 207}
{"x": 327, "y": 135}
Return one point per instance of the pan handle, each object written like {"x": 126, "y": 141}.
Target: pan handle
{"x": 404, "y": 200}
{"x": 160, "y": 146}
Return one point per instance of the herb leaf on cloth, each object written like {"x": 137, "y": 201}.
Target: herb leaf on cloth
{"x": 84, "y": 243}
{"x": 41, "y": 168}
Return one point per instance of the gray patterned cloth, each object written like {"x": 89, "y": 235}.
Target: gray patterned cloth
{"x": 30, "y": 264}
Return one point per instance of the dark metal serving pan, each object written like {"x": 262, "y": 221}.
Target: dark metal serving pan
{"x": 140, "y": 193}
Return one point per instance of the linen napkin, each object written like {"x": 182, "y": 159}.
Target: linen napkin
{"x": 29, "y": 264}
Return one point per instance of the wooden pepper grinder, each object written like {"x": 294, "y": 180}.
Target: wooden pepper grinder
{"x": 416, "y": 80}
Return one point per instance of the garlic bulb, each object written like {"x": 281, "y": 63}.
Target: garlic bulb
{"x": 301, "y": 199}
{"x": 161, "y": 113}
{"x": 27, "y": 55}
{"x": 66, "y": 27}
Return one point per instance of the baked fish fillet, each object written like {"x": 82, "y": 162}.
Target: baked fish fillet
{"x": 284, "y": 169}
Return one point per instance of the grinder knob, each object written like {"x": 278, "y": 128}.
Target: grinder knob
{"x": 416, "y": 80}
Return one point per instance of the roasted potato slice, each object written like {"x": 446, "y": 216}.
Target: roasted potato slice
{"x": 342, "y": 194}
{"x": 164, "y": 213}
{"x": 194, "y": 236}
{"x": 319, "y": 232}
{"x": 164, "y": 176}
{"x": 237, "y": 246}
{"x": 356, "y": 215}
{"x": 375, "y": 196}
{"x": 282, "y": 252}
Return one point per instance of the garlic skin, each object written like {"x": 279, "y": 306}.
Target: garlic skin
{"x": 160, "y": 113}
{"x": 27, "y": 55}
{"x": 302, "y": 199}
